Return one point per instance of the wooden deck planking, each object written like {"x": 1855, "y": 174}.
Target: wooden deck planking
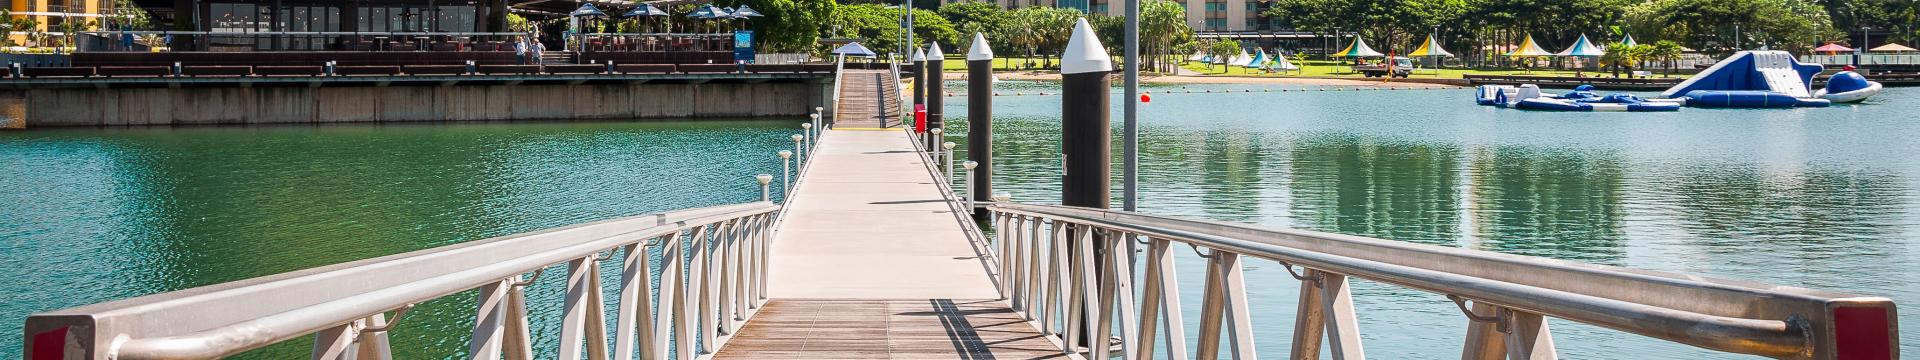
{"x": 868, "y": 99}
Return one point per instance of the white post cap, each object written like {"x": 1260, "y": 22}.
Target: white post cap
{"x": 980, "y": 50}
{"x": 947, "y": 145}
{"x": 933, "y": 52}
{"x": 764, "y": 178}
{"x": 970, "y": 164}
{"x": 798, "y": 137}
{"x": 1084, "y": 52}
{"x": 918, "y": 55}
{"x": 785, "y": 154}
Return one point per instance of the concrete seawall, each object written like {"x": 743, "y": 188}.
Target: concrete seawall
{"x": 51, "y": 107}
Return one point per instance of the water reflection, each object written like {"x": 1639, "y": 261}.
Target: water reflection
{"x": 1560, "y": 204}
{"x": 1395, "y": 190}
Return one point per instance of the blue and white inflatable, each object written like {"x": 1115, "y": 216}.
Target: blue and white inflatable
{"x": 1848, "y": 87}
{"x": 1583, "y": 98}
{"x": 1752, "y": 79}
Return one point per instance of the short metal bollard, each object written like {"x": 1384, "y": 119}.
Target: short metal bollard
{"x": 948, "y": 153}
{"x": 766, "y": 181}
{"x": 818, "y": 127}
{"x": 970, "y": 164}
{"x": 800, "y": 151}
{"x": 807, "y": 130}
{"x": 786, "y": 173}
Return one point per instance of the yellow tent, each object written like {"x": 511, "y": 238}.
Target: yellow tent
{"x": 1529, "y": 48}
{"x": 1431, "y": 48}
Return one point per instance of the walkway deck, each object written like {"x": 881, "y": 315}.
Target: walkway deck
{"x": 868, "y": 99}
{"x": 873, "y": 263}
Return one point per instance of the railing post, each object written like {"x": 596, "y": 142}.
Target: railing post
{"x": 1484, "y": 341}
{"x": 336, "y": 343}
{"x": 723, "y": 269}
{"x": 1017, "y": 257}
{"x": 1225, "y": 299}
{"x": 1057, "y": 284}
{"x": 765, "y": 244}
{"x": 1034, "y": 283}
{"x": 1085, "y": 300}
{"x": 584, "y": 320}
{"x": 489, "y": 326}
{"x": 669, "y": 330}
{"x": 1161, "y": 298}
{"x": 518, "y": 344}
{"x": 373, "y": 343}
{"x": 1001, "y": 233}
{"x": 1116, "y": 295}
{"x": 633, "y": 326}
{"x": 1343, "y": 325}
{"x": 1309, "y": 321}
{"x": 1528, "y": 337}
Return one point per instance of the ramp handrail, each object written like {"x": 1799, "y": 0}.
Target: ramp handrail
{"x": 1048, "y": 253}
{"x": 345, "y": 305}
{"x": 839, "y": 75}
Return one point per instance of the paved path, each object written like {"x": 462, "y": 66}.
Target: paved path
{"x": 872, "y": 263}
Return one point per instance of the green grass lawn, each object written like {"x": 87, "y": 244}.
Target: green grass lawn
{"x": 1331, "y": 69}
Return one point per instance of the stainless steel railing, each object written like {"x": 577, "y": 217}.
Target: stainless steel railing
{"x": 1046, "y": 258}
{"x": 346, "y": 305}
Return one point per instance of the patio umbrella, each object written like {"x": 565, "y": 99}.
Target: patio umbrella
{"x": 853, "y": 49}
{"x": 645, "y": 10}
{"x": 1893, "y": 48}
{"x": 586, "y": 10}
{"x": 1358, "y": 48}
{"x": 746, "y": 12}
{"x": 1832, "y": 49}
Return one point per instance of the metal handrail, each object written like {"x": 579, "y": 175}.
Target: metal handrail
{"x": 1510, "y": 294}
{"x": 839, "y": 71}
{"x": 345, "y": 303}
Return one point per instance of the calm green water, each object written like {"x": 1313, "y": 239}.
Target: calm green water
{"x": 1818, "y": 198}
{"x": 89, "y": 215}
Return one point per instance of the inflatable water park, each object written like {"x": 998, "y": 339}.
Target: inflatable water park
{"x": 1757, "y": 79}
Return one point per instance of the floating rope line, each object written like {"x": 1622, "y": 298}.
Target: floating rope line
{"x": 1227, "y": 91}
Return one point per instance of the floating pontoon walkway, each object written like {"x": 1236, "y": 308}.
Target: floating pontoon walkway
{"x": 873, "y": 261}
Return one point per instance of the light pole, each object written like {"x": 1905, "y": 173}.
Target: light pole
{"x": 1130, "y": 125}
{"x": 786, "y": 173}
{"x": 766, "y": 193}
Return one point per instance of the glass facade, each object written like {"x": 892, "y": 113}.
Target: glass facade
{"x": 256, "y": 17}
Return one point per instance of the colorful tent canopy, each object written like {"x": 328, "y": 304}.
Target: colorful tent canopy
{"x": 1832, "y": 48}
{"x": 1891, "y": 47}
{"x": 1259, "y": 59}
{"x": 1529, "y": 48}
{"x": 1628, "y": 40}
{"x": 1583, "y": 47}
{"x": 1431, "y": 48}
{"x": 1358, "y": 48}
{"x": 1198, "y": 56}
{"x": 1280, "y": 62}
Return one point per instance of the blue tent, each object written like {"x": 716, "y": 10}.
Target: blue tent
{"x": 703, "y": 12}
{"x": 746, "y": 12}
{"x": 1583, "y": 48}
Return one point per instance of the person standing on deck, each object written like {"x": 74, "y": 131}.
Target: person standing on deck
{"x": 539, "y": 53}
{"x": 520, "y": 50}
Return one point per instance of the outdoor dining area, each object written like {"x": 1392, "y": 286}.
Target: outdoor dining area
{"x": 649, "y": 28}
